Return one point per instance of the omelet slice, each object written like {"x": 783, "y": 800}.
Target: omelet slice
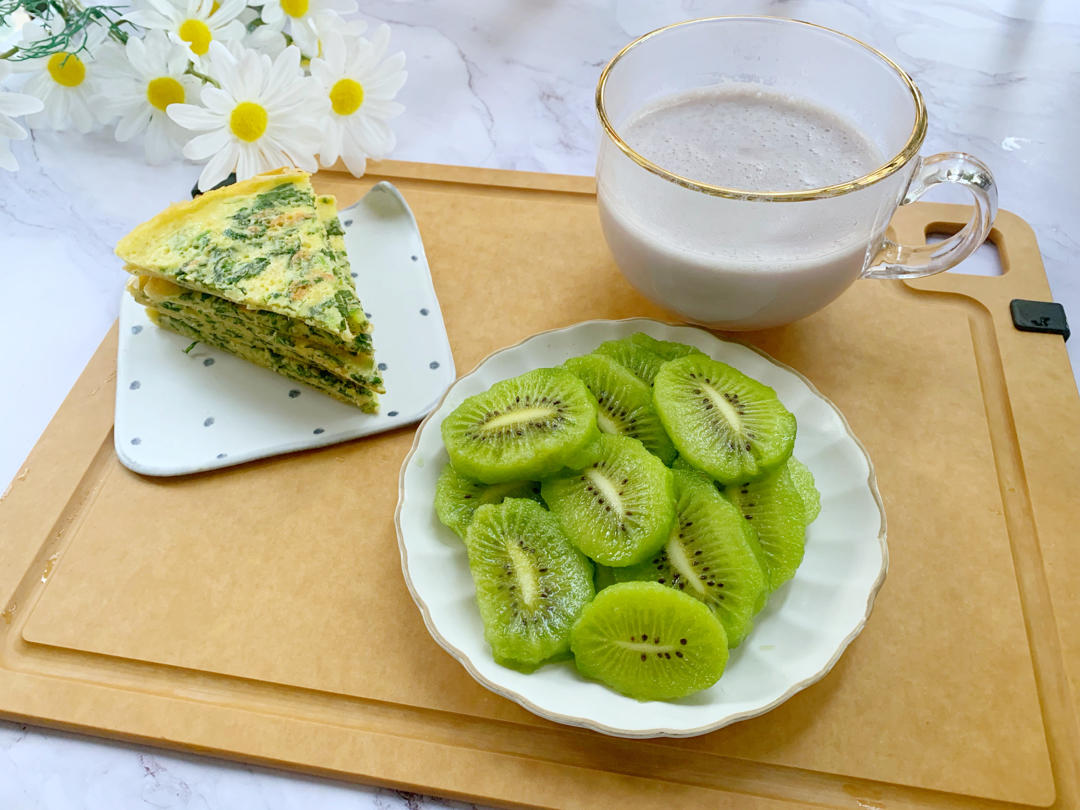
{"x": 216, "y": 334}
{"x": 261, "y": 243}
{"x": 326, "y": 206}
{"x": 292, "y": 339}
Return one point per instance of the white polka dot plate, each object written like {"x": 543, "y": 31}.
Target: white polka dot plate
{"x": 798, "y": 637}
{"x": 180, "y": 413}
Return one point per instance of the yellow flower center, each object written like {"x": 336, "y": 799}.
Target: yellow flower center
{"x": 295, "y": 8}
{"x": 346, "y": 96}
{"x": 163, "y": 91}
{"x": 248, "y": 121}
{"x": 67, "y": 69}
{"x": 197, "y": 35}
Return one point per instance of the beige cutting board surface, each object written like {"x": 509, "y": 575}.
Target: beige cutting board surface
{"x": 260, "y": 612}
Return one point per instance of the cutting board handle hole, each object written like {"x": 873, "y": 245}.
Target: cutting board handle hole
{"x": 985, "y": 261}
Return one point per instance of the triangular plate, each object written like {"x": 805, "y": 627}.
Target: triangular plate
{"x": 180, "y": 412}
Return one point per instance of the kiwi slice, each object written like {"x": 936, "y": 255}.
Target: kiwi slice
{"x": 777, "y": 512}
{"x": 665, "y": 349}
{"x": 618, "y": 505}
{"x": 520, "y": 429}
{"x": 640, "y": 362}
{"x": 457, "y": 498}
{"x": 710, "y": 554}
{"x": 723, "y": 422}
{"x": 531, "y": 584}
{"x": 625, "y": 403}
{"x": 603, "y": 577}
{"x": 649, "y": 642}
{"x": 804, "y": 483}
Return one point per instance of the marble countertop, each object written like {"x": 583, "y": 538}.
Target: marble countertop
{"x": 496, "y": 84}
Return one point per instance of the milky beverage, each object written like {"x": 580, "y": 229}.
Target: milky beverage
{"x": 715, "y": 259}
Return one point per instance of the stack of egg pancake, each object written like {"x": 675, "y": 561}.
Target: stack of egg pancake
{"x": 259, "y": 269}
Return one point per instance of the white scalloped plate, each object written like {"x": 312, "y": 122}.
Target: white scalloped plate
{"x": 796, "y": 639}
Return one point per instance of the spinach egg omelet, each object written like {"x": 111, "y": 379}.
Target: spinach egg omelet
{"x": 259, "y": 269}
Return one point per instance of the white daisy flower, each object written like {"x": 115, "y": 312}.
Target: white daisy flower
{"x": 196, "y": 23}
{"x": 265, "y": 39}
{"x": 361, "y": 90}
{"x": 304, "y": 20}
{"x": 265, "y": 115}
{"x": 138, "y": 82}
{"x": 11, "y": 105}
{"x": 65, "y": 82}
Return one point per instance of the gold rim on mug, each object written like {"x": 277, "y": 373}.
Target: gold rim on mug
{"x": 911, "y": 148}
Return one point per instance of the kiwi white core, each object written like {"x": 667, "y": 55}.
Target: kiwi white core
{"x": 645, "y": 646}
{"x": 722, "y": 405}
{"x": 523, "y": 573}
{"x": 603, "y": 421}
{"x": 607, "y": 489}
{"x": 680, "y": 562}
{"x": 521, "y": 417}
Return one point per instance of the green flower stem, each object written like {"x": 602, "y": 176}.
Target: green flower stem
{"x": 191, "y": 71}
{"x": 77, "y": 19}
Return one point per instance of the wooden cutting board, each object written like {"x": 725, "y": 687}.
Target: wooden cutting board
{"x": 259, "y": 612}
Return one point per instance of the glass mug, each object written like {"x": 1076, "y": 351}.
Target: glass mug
{"x": 737, "y": 259}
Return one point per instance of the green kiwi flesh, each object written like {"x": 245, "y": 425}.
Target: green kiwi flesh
{"x": 625, "y": 403}
{"x": 649, "y": 642}
{"x": 804, "y": 483}
{"x": 603, "y": 577}
{"x": 524, "y": 428}
{"x": 665, "y": 349}
{"x": 723, "y": 422}
{"x": 711, "y": 554}
{"x": 618, "y": 505}
{"x": 531, "y": 583}
{"x": 457, "y": 498}
{"x": 777, "y": 512}
{"x": 639, "y": 361}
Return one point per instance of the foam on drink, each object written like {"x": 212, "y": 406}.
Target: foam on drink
{"x": 746, "y": 137}
{"x": 715, "y": 259}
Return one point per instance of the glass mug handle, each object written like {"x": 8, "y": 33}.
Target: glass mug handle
{"x": 911, "y": 261}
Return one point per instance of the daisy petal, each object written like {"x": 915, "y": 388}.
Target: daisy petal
{"x": 217, "y": 101}
{"x": 9, "y": 129}
{"x": 377, "y": 108}
{"x": 392, "y": 65}
{"x": 193, "y": 117}
{"x": 248, "y": 164}
{"x": 355, "y": 162}
{"x": 159, "y": 147}
{"x": 135, "y": 50}
{"x": 201, "y": 147}
{"x": 285, "y": 67}
{"x": 229, "y": 10}
{"x": 219, "y": 166}
{"x": 272, "y": 14}
{"x": 19, "y": 104}
{"x": 331, "y": 145}
{"x": 131, "y": 125}
{"x": 386, "y": 88}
